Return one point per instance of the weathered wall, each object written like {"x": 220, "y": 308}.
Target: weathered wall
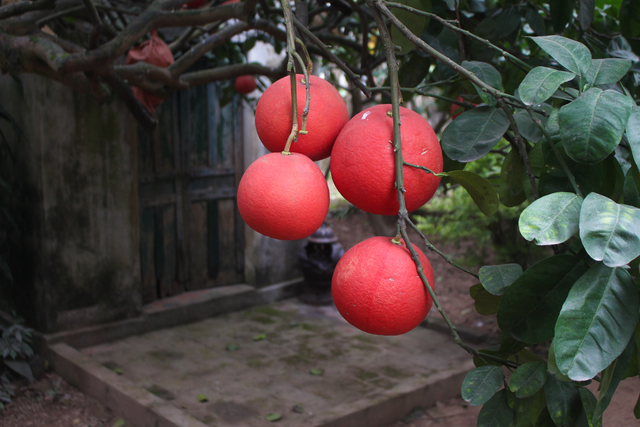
{"x": 79, "y": 206}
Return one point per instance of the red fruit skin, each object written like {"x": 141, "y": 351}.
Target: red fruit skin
{"x": 246, "y": 84}
{"x": 363, "y": 160}
{"x": 455, "y": 110}
{"x": 195, "y": 4}
{"x": 283, "y": 196}
{"x": 327, "y": 115}
{"x": 376, "y": 287}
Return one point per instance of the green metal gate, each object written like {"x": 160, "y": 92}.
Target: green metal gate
{"x": 191, "y": 235}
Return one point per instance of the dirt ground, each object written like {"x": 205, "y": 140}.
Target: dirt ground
{"x": 50, "y": 402}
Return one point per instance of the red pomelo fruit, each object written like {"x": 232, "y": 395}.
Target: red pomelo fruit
{"x": 376, "y": 287}
{"x": 327, "y": 115}
{"x": 284, "y": 196}
{"x": 363, "y": 160}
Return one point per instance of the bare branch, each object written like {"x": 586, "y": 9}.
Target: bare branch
{"x": 229, "y": 72}
{"x": 21, "y": 7}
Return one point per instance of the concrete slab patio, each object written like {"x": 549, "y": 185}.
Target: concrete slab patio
{"x": 301, "y": 362}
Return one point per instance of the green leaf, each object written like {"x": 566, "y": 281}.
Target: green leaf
{"x": 496, "y": 412}
{"x": 527, "y": 126}
{"x": 561, "y": 13}
{"x": 552, "y": 219}
{"x": 586, "y": 12}
{"x": 317, "y": 372}
{"x": 630, "y": 18}
{"x": 21, "y": 367}
{"x": 202, "y": 398}
{"x": 480, "y": 190}
{"x": 596, "y": 322}
{"x": 484, "y": 302}
{"x": 609, "y": 231}
{"x": 509, "y": 20}
{"x": 607, "y": 71}
{"x": 592, "y": 125}
{"x": 537, "y": 405}
{"x": 415, "y": 23}
{"x": 611, "y": 377}
{"x": 488, "y": 74}
{"x": 572, "y": 55}
{"x": 633, "y": 133}
{"x": 540, "y": 83}
{"x": 5, "y": 269}
{"x": 474, "y": 133}
{"x": 563, "y": 401}
{"x": 552, "y": 366}
{"x": 481, "y": 384}
{"x": 412, "y": 72}
{"x": 511, "y": 190}
{"x": 528, "y": 378}
{"x": 530, "y": 306}
{"x": 273, "y": 417}
{"x": 589, "y": 402}
{"x": 535, "y": 21}
{"x": 496, "y": 278}
{"x": 259, "y": 337}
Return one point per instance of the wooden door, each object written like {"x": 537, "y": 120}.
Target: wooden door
{"x": 191, "y": 235}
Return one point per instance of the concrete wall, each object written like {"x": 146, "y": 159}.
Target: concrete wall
{"x": 78, "y": 262}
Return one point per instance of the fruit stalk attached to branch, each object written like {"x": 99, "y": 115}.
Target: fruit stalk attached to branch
{"x": 399, "y": 162}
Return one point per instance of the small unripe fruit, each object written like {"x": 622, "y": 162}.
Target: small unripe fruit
{"x": 246, "y": 84}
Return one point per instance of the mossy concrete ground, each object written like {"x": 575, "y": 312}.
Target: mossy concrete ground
{"x": 302, "y": 362}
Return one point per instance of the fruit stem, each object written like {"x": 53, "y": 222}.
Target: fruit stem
{"x": 292, "y": 72}
{"x": 403, "y": 215}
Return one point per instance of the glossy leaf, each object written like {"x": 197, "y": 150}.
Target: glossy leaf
{"x": 589, "y": 403}
{"x": 474, "y": 133}
{"x": 488, "y": 74}
{"x": 572, "y": 55}
{"x": 530, "y": 306}
{"x": 485, "y": 303}
{"x": 527, "y": 127}
{"x": 586, "y": 12}
{"x": 480, "y": 190}
{"x": 609, "y": 231}
{"x": 561, "y": 13}
{"x": 563, "y": 401}
{"x": 511, "y": 190}
{"x": 592, "y": 125}
{"x": 481, "y": 384}
{"x": 540, "y": 83}
{"x": 596, "y": 322}
{"x": 552, "y": 366}
{"x": 633, "y": 133}
{"x": 535, "y": 21}
{"x": 551, "y": 219}
{"x": 630, "y": 18}
{"x": 607, "y": 71}
{"x": 415, "y": 23}
{"x": 528, "y": 378}
{"x": 611, "y": 377}
{"x": 496, "y": 412}
{"x": 496, "y": 278}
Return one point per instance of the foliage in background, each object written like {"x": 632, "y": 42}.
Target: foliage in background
{"x": 15, "y": 350}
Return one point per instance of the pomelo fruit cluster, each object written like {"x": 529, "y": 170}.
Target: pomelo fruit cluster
{"x": 376, "y": 286}
{"x": 285, "y": 195}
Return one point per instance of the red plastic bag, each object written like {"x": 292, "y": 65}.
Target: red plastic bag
{"x": 156, "y": 52}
